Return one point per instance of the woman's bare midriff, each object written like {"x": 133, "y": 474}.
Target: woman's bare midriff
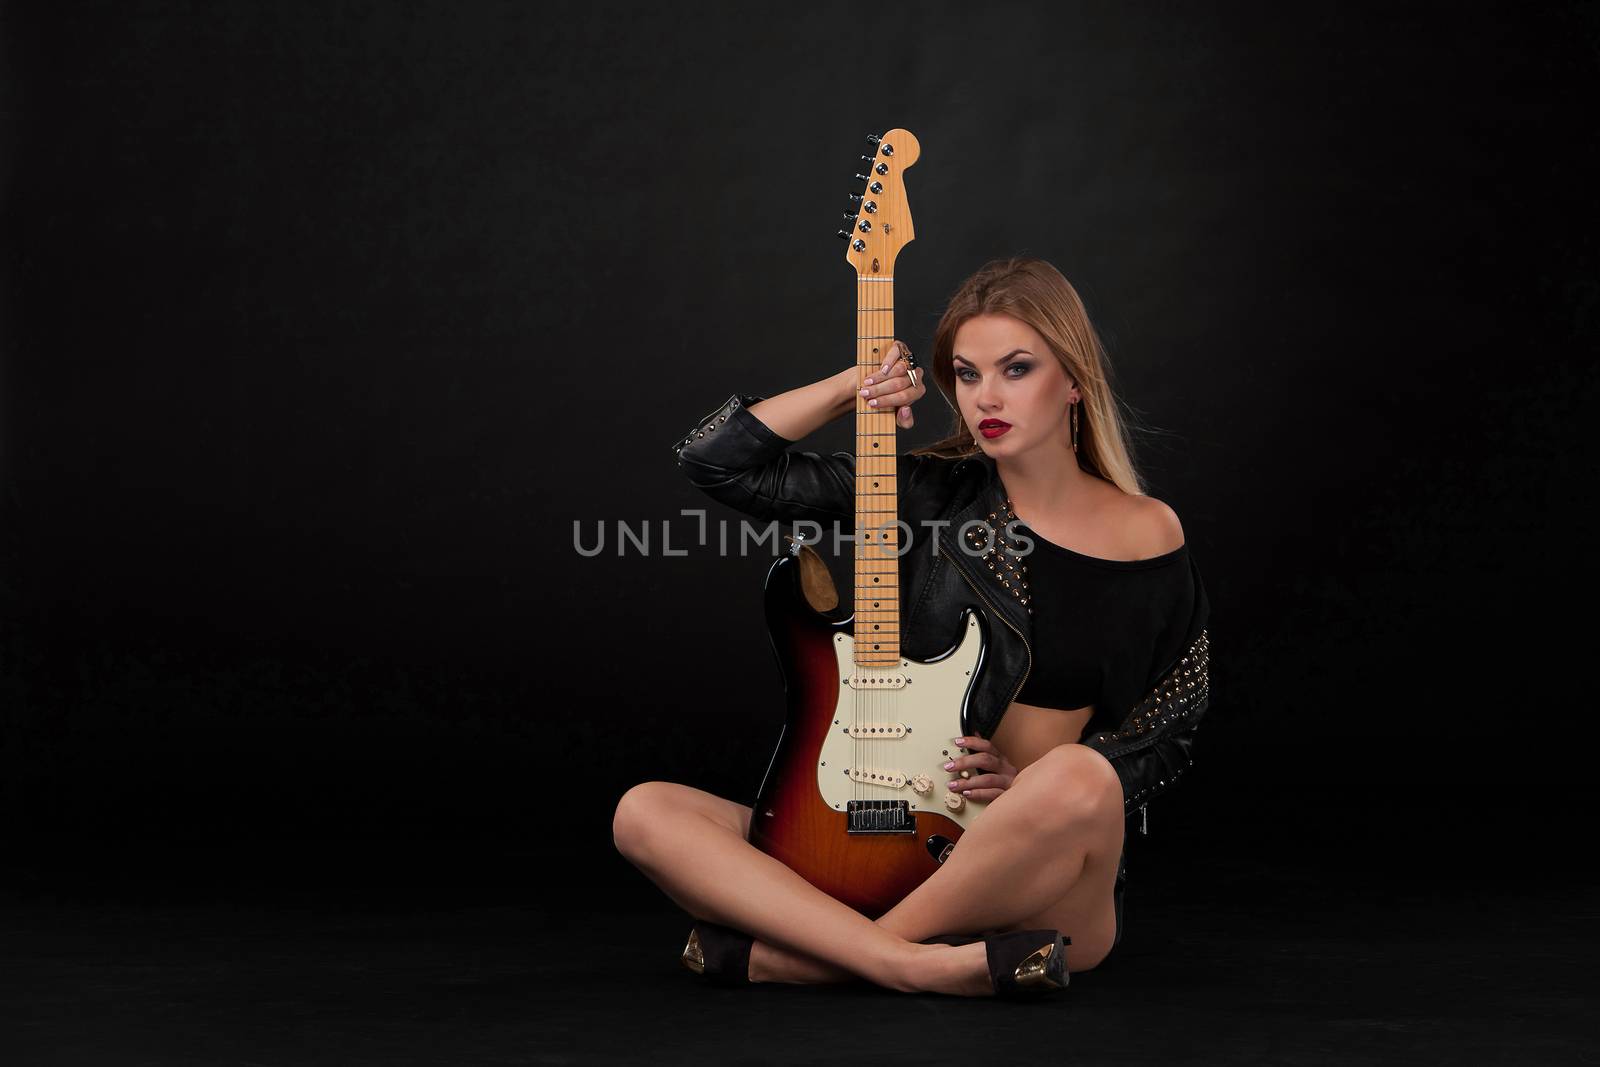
{"x": 1027, "y": 731}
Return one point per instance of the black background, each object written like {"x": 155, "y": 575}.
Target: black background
{"x": 323, "y": 325}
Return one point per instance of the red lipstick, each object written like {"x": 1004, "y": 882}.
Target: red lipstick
{"x": 992, "y": 428}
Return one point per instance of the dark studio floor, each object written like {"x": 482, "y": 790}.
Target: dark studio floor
{"x": 1221, "y": 963}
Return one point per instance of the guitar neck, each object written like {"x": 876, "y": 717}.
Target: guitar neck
{"x": 877, "y": 564}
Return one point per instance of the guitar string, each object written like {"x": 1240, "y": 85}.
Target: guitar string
{"x": 876, "y": 697}
{"x": 866, "y": 327}
{"x": 878, "y": 325}
{"x": 863, "y": 329}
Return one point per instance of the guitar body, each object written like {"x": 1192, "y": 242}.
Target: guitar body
{"x": 840, "y": 803}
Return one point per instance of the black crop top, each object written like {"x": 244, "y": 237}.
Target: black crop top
{"x": 1092, "y": 619}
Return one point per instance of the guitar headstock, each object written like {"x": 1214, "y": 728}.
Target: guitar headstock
{"x": 881, "y": 224}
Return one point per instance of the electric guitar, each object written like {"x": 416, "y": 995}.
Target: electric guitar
{"x": 854, "y": 798}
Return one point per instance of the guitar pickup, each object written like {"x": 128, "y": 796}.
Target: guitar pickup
{"x": 871, "y": 776}
{"x": 875, "y": 680}
{"x": 873, "y": 731}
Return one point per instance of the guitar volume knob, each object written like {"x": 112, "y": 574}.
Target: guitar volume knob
{"x": 954, "y": 801}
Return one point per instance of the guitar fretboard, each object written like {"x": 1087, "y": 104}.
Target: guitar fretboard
{"x": 877, "y": 565}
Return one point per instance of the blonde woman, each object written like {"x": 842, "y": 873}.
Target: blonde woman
{"x": 1096, "y": 674}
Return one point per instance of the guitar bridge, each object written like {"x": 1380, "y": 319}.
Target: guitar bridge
{"x": 880, "y": 817}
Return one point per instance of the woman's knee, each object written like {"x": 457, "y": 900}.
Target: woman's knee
{"x": 645, "y": 808}
{"x": 637, "y": 809}
{"x": 1068, "y": 786}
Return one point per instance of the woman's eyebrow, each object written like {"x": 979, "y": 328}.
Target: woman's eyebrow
{"x": 999, "y": 362}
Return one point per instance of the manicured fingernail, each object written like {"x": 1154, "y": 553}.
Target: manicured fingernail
{"x": 955, "y": 784}
{"x": 950, "y": 766}
{"x": 959, "y": 740}
{"x": 869, "y": 381}
{"x": 872, "y": 403}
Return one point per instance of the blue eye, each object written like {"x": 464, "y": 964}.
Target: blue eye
{"x": 962, "y": 372}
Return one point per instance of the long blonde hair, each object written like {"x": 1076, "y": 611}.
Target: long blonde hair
{"x": 1034, "y": 291}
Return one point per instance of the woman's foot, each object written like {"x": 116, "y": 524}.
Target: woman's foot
{"x": 959, "y": 970}
{"x": 1016, "y": 964}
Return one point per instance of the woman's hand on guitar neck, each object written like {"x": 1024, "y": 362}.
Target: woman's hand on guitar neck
{"x": 997, "y": 772}
{"x": 890, "y": 386}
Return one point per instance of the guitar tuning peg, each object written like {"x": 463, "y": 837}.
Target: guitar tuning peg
{"x": 845, "y": 234}
{"x": 860, "y": 177}
{"x": 850, "y": 217}
{"x": 873, "y": 138}
{"x": 857, "y": 197}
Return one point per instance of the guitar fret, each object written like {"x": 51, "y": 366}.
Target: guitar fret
{"x": 877, "y": 559}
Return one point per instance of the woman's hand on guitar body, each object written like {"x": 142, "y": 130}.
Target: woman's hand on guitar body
{"x": 890, "y": 385}
{"x": 993, "y": 773}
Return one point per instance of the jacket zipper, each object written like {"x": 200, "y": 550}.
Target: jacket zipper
{"x": 1001, "y": 616}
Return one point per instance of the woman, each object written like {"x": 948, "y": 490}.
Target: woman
{"x": 1093, "y": 685}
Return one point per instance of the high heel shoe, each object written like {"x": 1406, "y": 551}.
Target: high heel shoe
{"x": 1026, "y": 963}
{"x": 718, "y": 953}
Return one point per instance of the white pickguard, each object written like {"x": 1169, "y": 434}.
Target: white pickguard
{"x": 893, "y": 724}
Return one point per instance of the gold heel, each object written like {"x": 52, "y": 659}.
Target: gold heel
{"x": 694, "y": 957}
{"x": 1034, "y": 972}
{"x": 719, "y": 954}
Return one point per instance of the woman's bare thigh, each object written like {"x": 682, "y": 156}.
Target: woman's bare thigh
{"x": 733, "y": 815}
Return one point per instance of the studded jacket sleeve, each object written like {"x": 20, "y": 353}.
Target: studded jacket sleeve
{"x": 738, "y": 460}
{"x": 1153, "y": 745}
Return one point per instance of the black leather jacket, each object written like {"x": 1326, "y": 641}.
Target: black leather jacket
{"x": 1146, "y": 732}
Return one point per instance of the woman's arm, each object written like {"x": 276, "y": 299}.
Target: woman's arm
{"x": 1153, "y": 746}
{"x": 802, "y": 412}
{"x": 738, "y": 460}
{"x": 739, "y": 454}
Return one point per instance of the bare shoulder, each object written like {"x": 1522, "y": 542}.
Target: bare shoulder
{"x": 1152, "y": 527}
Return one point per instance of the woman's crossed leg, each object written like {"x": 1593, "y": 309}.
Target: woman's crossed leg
{"x": 1044, "y": 854}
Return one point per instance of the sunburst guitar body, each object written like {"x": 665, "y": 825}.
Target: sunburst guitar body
{"x": 855, "y": 799}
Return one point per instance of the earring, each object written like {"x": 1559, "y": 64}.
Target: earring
{"x": 1073, "y": 408}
